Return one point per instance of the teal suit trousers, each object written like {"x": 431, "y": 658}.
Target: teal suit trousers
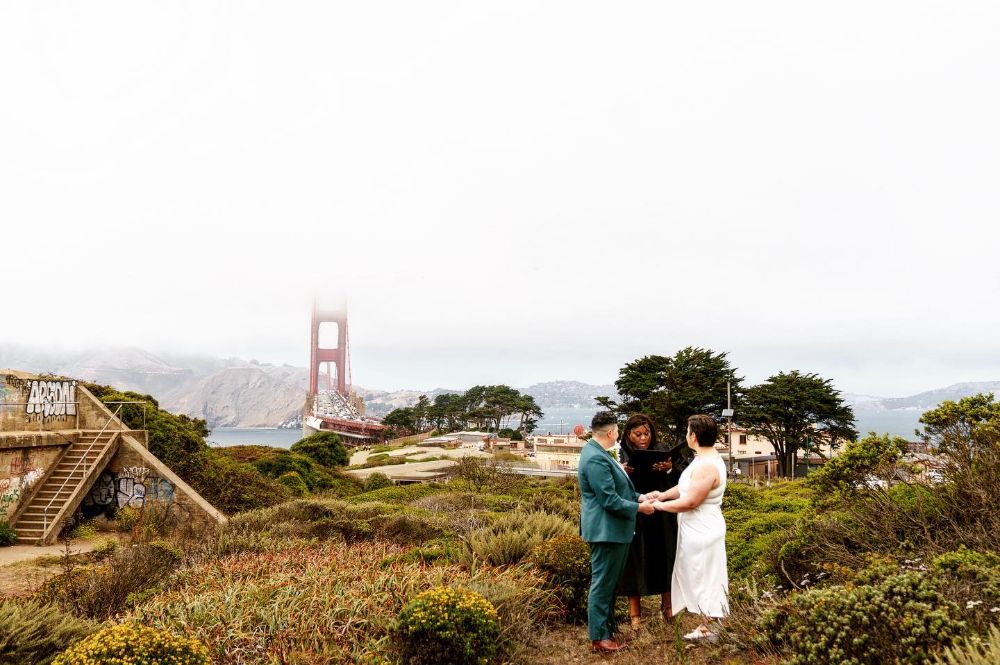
{"x": 607, "y": 560}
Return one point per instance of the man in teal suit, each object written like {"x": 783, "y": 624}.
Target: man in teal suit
{"x": 608, "y": 507}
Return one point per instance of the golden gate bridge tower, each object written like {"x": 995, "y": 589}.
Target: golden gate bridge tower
{"x": 329, "y": 407}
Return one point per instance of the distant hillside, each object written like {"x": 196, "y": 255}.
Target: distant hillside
{"x": 561, "y": 394}
{"x": 922, "y": 401}
{"x": 230, "y": 392}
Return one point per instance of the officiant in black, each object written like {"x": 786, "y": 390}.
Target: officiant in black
{"x": 650, "y": 563}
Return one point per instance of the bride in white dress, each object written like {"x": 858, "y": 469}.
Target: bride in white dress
{"x": 700, "y": 582}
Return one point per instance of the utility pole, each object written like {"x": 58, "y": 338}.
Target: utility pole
{"x": 728, "y": 413}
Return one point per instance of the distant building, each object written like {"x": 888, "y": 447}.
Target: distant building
{"x": 557, "y": 452}
{"x": 755, "y": 456}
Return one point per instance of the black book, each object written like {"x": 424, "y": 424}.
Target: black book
{"x": 645, "y": 459}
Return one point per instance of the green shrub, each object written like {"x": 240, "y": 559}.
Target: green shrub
{"x": 127, "y": 518}
{"x": 7, "y": 534}
{"x": 974, "y": 653}
{"x": 565, "y": 563}
{"x": 407, "y": 529}
{"x": 132, "y": 643}
{"x": 850, "y": 470}
{"x": 445, "y": 626}
{"x": 903, "y": 619}
{"x": 343, "y": 485}
{"x": 105, "y": 547}
{"x": 377, "y": 481}
{"x": 972, "y": 580}
{"x": 399, "y": 493}
{"x": 275, "y": 462}
{"x": 759, "y": 522}
{"x": 324, "y": 448}
{"x": 176, "y": 440}
{"x": 232, "y": 486}
{"x": 513, "y": 536}
{"x": 33, "y": 632}
{"x": 294, "y": 483}
{"x": 84, "y": 530}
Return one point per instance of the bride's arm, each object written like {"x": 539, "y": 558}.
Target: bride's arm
{"x": 703, "y": 479}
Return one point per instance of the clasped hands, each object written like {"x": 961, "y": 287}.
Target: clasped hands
{"x": 648, "y": 501}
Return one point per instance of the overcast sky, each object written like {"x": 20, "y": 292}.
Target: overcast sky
{"x": 512, "y": 191}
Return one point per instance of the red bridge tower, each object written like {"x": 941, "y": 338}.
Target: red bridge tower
{"x": 337, "y": 356}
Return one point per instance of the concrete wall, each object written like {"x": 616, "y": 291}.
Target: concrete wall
{"x": 134, "y": 477}
{"x": 37, "y": 403}
{"x": 22, "y": 465}
{"x": 35, "y": 429}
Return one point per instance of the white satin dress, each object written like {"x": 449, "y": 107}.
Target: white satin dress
{"x": 700, "y": 583}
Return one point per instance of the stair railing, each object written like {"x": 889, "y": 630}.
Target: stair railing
{"x": 48, "y": 506}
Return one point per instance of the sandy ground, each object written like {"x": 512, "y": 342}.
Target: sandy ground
{"x": 415, "y": 468}
{"x": 23, "y": 568}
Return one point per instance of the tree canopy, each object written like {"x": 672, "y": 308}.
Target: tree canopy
{"x": 670, "y": 389}
{"x": 491, "y": 407}
{"x": 962, "y": 426}
{"x": 796, "y": 411}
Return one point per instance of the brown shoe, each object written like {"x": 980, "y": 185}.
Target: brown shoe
{"x": 606, "y": 646}
{"x": 636, "y": 623}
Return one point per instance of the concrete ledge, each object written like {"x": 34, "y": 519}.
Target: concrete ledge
{"x": 30, "y": 439}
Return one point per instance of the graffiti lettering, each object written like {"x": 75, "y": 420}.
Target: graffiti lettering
{"x": 20, "y": 465}
{"x": 13, "y": 488}
{"x": 51, "y": 399}
{"x": 132, "y": 486}
{"x": 139, "y": 473}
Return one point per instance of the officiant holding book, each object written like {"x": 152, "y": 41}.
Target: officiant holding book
{"x": 649, "y": 565}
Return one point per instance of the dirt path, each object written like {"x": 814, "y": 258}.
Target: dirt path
{"x": 23, "y": 568}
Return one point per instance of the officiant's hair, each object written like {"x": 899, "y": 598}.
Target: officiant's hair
{"x": 603, "y": 420}
{"x": 638, "y": 420}
{"x": 704, "y": 429}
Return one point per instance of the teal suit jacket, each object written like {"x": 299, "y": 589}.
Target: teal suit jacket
{"x": 608, "y": 499}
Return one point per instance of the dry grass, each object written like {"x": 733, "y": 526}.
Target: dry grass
{"x": 656, "y": 642}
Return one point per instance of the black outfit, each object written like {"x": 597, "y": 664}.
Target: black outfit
{"x": 650, "y": 562}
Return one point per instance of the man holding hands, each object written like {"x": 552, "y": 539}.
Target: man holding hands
{"x": 609, "y": 505}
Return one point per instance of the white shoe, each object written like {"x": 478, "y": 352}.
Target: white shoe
{"x": 701, "y": 633}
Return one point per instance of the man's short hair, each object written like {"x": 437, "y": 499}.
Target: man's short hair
{"x": 603, "y": 420}
{"x": 704, "y": 429}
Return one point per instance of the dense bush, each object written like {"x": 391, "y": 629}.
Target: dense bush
{"x": 565, "y": 563}
{"x": 293, "y": 483}
{"x": 174, "y": 439}
{"x": 758, "y": 523}
{"x": 101, "y": 591}
{"x": 512, "y": 537}
{"x": 273, "y": 463}
{"x": 487, "y": 475}
{"x": 33, "y": 632}
{"x": 231, "y": 486}
{"x": 7, "y": 534}
{"x": 972, "y": 580}
{"x": 324, "y": 448}
{"x": 446, "y": 626}
{"x": 377, "y": 481}
{"x": 132, "y": 643}
{"x": 902, "y": 619}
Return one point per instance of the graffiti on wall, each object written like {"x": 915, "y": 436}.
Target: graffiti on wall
{"x": 24, "y": 473}
{"x": 133, "y": 486}
{"x": 43, "y": 399}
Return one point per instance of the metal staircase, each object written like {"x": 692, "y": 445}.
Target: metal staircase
{"x": 65, "y": 486}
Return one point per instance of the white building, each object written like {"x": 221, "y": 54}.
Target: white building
{"x": 557, "y": 452}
